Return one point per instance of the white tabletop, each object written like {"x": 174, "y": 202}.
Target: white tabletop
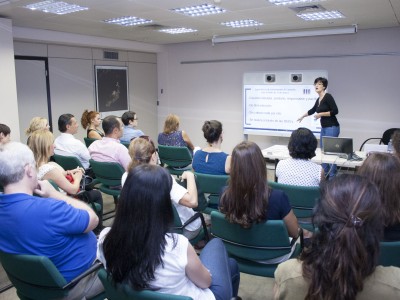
{"x": 281, "y": 152}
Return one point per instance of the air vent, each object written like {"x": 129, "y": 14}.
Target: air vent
{"x": 153, "y": 26}
{"x": 302, "y": 9}
{"x": 110, "y": 55}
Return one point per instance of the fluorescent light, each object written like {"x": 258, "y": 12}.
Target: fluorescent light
{"x": 285, "y": 34}
{"x": 128, "y": 21}
{"x": 55, "y": 7}
{"x": 321, "y": 15}
{"x": 199, "y": 10}
{"x": 242, "y": 23}
{"x": 289, "y": 2}
{"x": 177, "y": 30}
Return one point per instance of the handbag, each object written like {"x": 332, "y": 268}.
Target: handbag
{"x": 84, "y": 185}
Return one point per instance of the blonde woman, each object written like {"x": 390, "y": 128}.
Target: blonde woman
{"x": 37, "y": 123}
{"x": 172, "y": 136}
{"x": 91, "y": 122}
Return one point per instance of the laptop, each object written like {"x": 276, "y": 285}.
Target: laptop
{"x": 341, "y": 146}
{"x": 368, "y": 148}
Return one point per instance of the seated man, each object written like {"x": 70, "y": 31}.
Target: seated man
{"x": 130, "y": 121}
{"x": 66, "y": 144}
{"x": 110, "y": 149}
{"x": 53, "y": 225}
{"x": 5, "y": 133}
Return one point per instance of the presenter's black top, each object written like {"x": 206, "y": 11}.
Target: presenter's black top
{"x": 327, "y": 104}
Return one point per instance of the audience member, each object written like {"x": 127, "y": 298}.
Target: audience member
{"x": 396, "y": 142}
{"x": 341, "y": 262}
{"x": 211, "y": 159}
{"x": 172, "y": 136}
{"x": 110, "y": 149}
{"x": 383, "y": 169}
{"x": 5, "y": 134}
{"x": 248, "y": 199}
{"x": 91, "y": 121}
{"x": 41, "y": 144}
{"x": 130, "y": 121}
{"x": 66, "y": 144}
{"x": 299, "y": 169}
{"x": 144, "y": 152}
{"x": 37, "y": 123}
{"x": 147, "y": 256}
{"x": 53, "y": 225}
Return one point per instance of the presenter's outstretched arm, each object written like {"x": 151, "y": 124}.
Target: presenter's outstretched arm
{"x": 302, "y": 117}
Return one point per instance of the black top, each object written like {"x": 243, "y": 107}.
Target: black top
{"x": 98, "y": 131}
{"x": 327, "y": 104}
{"x": 392, "y": 233}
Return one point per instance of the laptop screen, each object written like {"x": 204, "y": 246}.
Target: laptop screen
{"x": 337, "y": 145}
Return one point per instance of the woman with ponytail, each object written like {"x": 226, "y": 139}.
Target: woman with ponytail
{"x": 341, "y": 262}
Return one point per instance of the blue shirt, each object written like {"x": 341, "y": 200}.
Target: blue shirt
{"x": 130, "y": 133}
{"x": 209, "y": 162}
{"x": 47, "y": 227}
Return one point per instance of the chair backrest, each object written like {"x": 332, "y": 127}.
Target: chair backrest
{"x": 389, "y": 254}
{"x": 263, "y": 241}
{"x": 88, "y": 141}
{"x": 212, "y": 185}
{"x": 387, "y": 135}
{"x": 301, "y": 198}
{"x": 175, "y": 157}
{"x": 34, "y": 277}
{"x": 125, "y": 292}
{"x": 107, "y": 173}
{"x": 67, "y": 162}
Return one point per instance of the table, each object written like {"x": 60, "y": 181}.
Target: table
{"x": 279, "y": 152}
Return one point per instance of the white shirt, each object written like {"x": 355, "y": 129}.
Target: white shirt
{"x": 299, "y": 172}
{"x": 67, "y": 145}
{"x": 171, "y": 278}
{"x": 176, "y": 194}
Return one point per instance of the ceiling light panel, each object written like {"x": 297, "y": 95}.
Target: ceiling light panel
{"x": 128, "y": 21}
{"x": 242, "y": 23}
{"x": 200, "y": 10}
{"x": 56, "y": 7}
{"x": 321, "y": 15}
{"x": 289, "y": 2}
{"x": 177, "y": 30}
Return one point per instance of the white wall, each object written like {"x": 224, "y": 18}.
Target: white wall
{"x": 8, "y": 98}
{"x": 202, "y": 82}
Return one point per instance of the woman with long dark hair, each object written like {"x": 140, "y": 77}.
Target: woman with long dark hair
{"x": 139, "y": 249}
{"x": 341, "y": 262}
{"x": 248, "y": 199}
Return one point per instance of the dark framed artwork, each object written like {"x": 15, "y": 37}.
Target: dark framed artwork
{"x": 111, "y": 89}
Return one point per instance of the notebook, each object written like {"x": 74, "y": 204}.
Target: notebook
{"x": 337, "y": 146}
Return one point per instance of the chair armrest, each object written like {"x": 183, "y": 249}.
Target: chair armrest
{"x": 362, "y": 145}
{"x": 300, "y": 236}
{"x": 203, "y": 223}
{"x": 96, "y": 266}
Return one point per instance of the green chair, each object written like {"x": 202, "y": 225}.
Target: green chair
{"x": 125, "y": 292}
{"x": 302, "y": 199}
{"x": 109, "y": 175}
{"x": 37, "y": 278}
{"x": 178, "y": 226}
{"x": 211, "y": 185}
{"x": 176, "y": 159}
{"x": 126, "y": 144}
{"x": 265, "y": 242}
{"x": 88, "y": 141}
{"x": 389, "y": 254}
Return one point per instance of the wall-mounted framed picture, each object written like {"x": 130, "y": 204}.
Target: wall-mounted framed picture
{"x": 111, "y": 90}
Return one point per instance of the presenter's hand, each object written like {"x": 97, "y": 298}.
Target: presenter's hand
{"x": 300, "y": 119}
{"x": 317, "y": 116}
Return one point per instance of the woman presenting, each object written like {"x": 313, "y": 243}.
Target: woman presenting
{"x": 326, "y": 109}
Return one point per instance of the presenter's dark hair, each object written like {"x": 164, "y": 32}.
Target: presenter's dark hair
{"x": 63, "y": 121}
{"x": 4, "y": 129}
{"x": 128, "y": 116}
{"x": 345, "y": 248}
{"x": 396, "y": 142}
{"x": 109, "y": 123}
{"x": 212, "y": 130}
{"x": 302, "y": 144}
{"x": 383, "y": 169}
{"x": 245, "y": 200}
{"x": 323, "y": 80}
{"x": 134, "y": 246}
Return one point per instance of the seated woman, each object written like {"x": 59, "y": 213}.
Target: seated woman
{"x": 37, "y": 123}
{"x": 41, "y": 143}
{"x": 247, "y": 199}
{"x": 299, "y": 169}
{"x": 147, "y": 256}
{"x": 91, "y": 121}
{"x": 5, "y": 134}
{"x": 341, "y": 262}
{"x": 143, "y": 151}
{"x": 172, "y": 136}
{"x": 383, "y": 169}
{"x": 211, "y": 160}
